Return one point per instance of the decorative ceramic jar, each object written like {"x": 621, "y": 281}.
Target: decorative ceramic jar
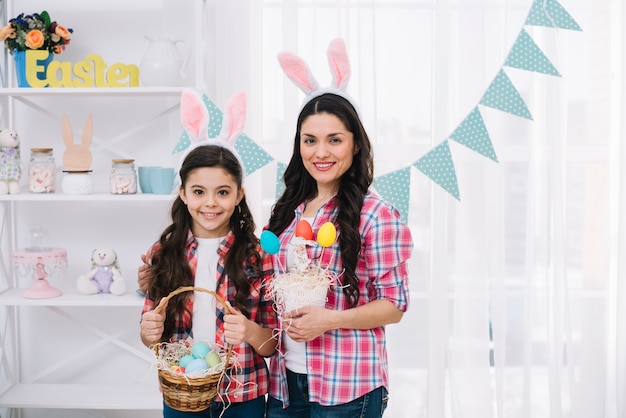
{"x": 77, "y": 182}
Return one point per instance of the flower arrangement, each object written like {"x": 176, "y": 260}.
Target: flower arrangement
{"x": 35, "y": 31}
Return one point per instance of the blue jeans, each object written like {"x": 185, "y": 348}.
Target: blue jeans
{"x": 250, "y": 409}
{"x": 370, "y": 405}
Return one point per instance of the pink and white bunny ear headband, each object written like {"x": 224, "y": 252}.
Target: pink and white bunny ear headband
{"x": 195, "y": 119}
{"x": 298, "y": 71}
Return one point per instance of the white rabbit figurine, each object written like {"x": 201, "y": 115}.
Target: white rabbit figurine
{"x": 105, "y": 276}
{"x": 10, "y": 162}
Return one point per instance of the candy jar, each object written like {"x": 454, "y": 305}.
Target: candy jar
{"x": 123, "y": 177}
{"x": 41, "y": 171}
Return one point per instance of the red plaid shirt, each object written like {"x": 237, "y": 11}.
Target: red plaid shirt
{"x": 251, "y": 366}
{"x": 345, "y": 364}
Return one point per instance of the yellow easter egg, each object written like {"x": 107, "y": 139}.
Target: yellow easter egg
{"x": 327, "y": 234}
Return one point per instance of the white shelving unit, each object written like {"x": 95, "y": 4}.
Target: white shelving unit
{"x": 83, "y": 351}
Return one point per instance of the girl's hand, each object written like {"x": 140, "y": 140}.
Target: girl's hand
{"x": 151, "y": 327}
{"x": 236, "y": 327}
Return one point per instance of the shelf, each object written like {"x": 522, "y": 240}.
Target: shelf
{"x": 92, "y": 91}
{"x": 129, "y": 396}
{"x": 12, "y": 297}
{"x": 61, "y": 197}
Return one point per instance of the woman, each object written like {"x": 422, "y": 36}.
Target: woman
{"x": 333, "y": 360}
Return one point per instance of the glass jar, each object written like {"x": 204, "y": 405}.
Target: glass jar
{"x": 41, "y": 171}
{"x": 123, "y": 177}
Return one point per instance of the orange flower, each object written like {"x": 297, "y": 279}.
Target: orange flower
{"x": 62, "y": 32}
{"x": 6, "y": 32}
{"x": 34, "y": 39}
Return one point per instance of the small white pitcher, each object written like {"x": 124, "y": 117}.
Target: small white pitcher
{"x": 164, "y": 63}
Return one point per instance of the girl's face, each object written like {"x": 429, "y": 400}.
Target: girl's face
{"x": 211, "y": 195}
{"x": 327, "y": 149}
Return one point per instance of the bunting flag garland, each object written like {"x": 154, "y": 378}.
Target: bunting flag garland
{"x": 472, "y": 133}
{"x": 395, "y": 187}
{"x": 437, "y": 164}
{"x": 439, "y": 167}
{"x": 502, "y": 95}
{"x": 526, "y": 55}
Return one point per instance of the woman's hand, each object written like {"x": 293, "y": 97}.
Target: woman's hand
{"x": 142, "y": 274}
{"x": 307, "y": 323}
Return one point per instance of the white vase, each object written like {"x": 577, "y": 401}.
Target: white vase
{"x": 77, "y": 182}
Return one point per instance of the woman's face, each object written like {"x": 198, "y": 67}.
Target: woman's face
{"x": 211, "y": 195}
{"x": 327, "y": 149}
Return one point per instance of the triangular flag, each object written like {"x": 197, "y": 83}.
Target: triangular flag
{"x": 216, "y": 118}
{"x": 502, "y": 95}
{"x": 252, "y": 155}
{"x": 183, "y": 143}
{"x": 280, "y": 184}
{"x": 438, "y": 166}
{"x": 395, "y": 187}
{"x": 551, "y": 14}
{"x": 472, "y": 133}
{"x": 526, "y": 55}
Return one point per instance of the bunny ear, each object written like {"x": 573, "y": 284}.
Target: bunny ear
{"x": 234, "y": 117}
{"x": 87, "y": 132}
{"x": 194, "y": 114}
{"x": 66, "y": 130}
{"x": 339, "y": 63}
{"x": 298, "y": 72}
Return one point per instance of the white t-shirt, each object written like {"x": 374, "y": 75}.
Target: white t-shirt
{"x": 203, "y": 320}
{"x": 295, "y": 352}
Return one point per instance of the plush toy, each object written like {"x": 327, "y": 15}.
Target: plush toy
{"x": 105, "y": 276}
{"x": 10, "y": 162}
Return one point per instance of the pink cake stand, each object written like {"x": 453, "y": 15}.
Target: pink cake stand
{"x": 40, "y": 264}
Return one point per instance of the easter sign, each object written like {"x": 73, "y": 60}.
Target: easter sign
{"x": 90, "y": 72}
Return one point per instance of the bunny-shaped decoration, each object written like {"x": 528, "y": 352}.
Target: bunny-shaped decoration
{"x": 10, "y": 162}
{"x": 77, "y": 157}
{"x": 298, "y": 71}
{"x": 195, "y": 119}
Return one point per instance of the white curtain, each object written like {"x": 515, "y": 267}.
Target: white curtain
{"x": 517, "y": 304}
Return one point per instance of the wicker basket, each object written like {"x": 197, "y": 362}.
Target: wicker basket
{"x": 181, "y": 392}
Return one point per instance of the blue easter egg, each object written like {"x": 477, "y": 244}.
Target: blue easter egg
{"x": 196, "y": 365}
{"x": 270, "y": 242}
{"x": 200, "y": 350}
{"x": 185, "y": 360}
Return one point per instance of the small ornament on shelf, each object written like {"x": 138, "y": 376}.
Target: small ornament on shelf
{"x": 41, "y": 170}
{"x": 105, "y": 275}
{"x": 40, "y": 262}
{"x": 10, "y": 162}
{"x": 123, "y": 178}
{"x": 77, "y": 159}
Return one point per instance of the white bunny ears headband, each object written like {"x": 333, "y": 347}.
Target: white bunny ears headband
{"x": 300, "y": 74}
{"x": 194, "y": 116}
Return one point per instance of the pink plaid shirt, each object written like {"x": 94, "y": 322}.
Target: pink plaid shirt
{"x": 345, "y": 364}
{"x": 252, "y": 367}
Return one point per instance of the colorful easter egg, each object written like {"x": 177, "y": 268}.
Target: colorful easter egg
{"x": 269, "y": 242}
{"x": 304, "y": 230}
{"x": 327, "y": 234}
{"x": 200, "y": 350}
{"x": 185, "y": 360}
{"x": 196, "y": 365}
{"x": 213, "y": 359}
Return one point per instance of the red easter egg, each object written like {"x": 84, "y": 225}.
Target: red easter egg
{"x": 304, "y": 230}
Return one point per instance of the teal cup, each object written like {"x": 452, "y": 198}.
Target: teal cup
{"x": 162, "y": 180}
{"x": 145, "y": 173}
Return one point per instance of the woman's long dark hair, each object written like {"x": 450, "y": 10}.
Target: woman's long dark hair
{"x": 169, "y": 269}
{"x": 353, "y": 185}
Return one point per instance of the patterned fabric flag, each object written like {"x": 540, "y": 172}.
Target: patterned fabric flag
{"x": 394, "y": 187}
{"x": 439, "y": 167}
{"x": 216, "y": 118}
{"x": 502, "y": 95}
{"x": 280, "y": 185}
{"x": 551, "y": 14}
{"x": 526, "y": 55}
{"x": 252, "y": 155}
{"x": 472, "y": 133}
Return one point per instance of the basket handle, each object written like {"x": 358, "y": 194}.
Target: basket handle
{"x": 163, "y": 303}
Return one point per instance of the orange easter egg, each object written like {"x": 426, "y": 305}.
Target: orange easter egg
{"x": 304, "y": 230}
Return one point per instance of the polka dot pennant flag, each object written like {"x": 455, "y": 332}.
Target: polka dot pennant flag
{"x": 280, "y": 184}
{"x": 215, "y": 125}
{"x": 526, "y": 55}
{"x": 551, "y": 14}
{"x": 438, "y": 166}
{"x": 472, "y": 133}
{"x": 502, "y": 95}
{"x": 395, "y": 187}
{"x": 252, "y": 155}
